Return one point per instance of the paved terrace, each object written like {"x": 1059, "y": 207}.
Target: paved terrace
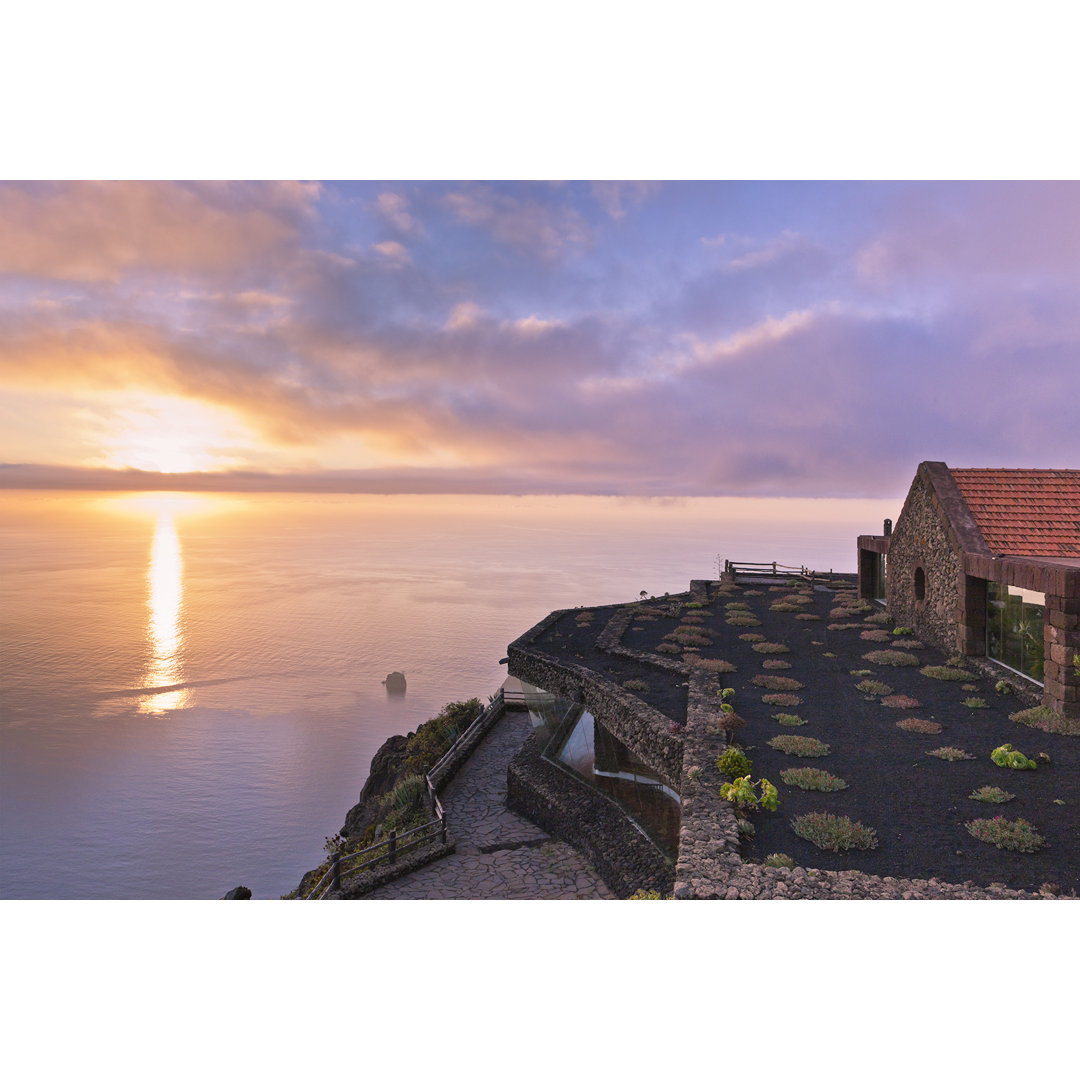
{"x": 500, "y": 855}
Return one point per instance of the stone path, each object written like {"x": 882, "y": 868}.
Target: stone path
{"x": 500, "y": 855}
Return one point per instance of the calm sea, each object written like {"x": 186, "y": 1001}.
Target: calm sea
{"x": 192, "y": 685}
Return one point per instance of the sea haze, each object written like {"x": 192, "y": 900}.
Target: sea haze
{"x": 191, "y": 687}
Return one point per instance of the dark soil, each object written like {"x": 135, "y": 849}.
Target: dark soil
{"x": 916, "y": 803}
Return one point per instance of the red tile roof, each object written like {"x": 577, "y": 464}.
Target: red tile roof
{"x": 1034, "y": 512}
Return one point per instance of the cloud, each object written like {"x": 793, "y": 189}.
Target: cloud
{"x": 543, "y": 228}
{"x": 394, "y": 208}
{"x": 393, "y": 252}
{"x": 101, "y": 231}
{"x": 617, "y": 197}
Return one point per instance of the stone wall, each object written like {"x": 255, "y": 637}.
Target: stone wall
{"x": 645, "y": 730}
{"x": 921, "y": 541}
{"x": 586, "y": 819}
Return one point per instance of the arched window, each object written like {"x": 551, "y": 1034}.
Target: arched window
{"x": 920, "y": 584}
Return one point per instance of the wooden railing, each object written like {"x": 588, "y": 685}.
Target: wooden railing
{"x": 388, "y": 850}
{"x": 758, "y": 569}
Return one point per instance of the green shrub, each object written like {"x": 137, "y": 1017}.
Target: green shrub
{"x": 1005, "y": 757}
{"x": 784, "y": 605}
{"x": 789, "y": 719}
{"x": 991, "y": 795}
{"x": 782, "y": 701}
{"x": 878, "y": 619}
{"x": 734, "y": 763}
{"x": 876, "y": 635}
{"x": 741, "y": 792}
{"x": 645, "y": 894}
{"x": 777, "y": 859}
{"x": 812, "y": 779}
{"x": 744, "y": 828}
{"x": 799, "y": 745}
{"x": 950, "y": 753}
{"x": 832, "y": 833}
{"x": 945, "y": 674}
{"x": 902, "y": 631}
{"x": 921, "y": 727}
{"x": 751, "y": 637}
{"x": 1046, "y": 719}
{"x": 639, "y": 685}
{"x": 770, "y": 647}
{"x": 1015, "y": 835}
{"x": 976, "y": 703}
{"x": 776, "y": 682}
{"x": 736, "y": 605}
{"x": 872, "y": 686}
{"x": 406, "y": 794}
{"x": 742, "y": 620}
{"x": 861, "y": 671}
{"x": 432, "y": 739}
{"x": 899, "y": 658}
{"x": 1002, "y": 687}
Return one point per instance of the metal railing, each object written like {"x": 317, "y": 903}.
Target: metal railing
{"x": 421, "y": 834}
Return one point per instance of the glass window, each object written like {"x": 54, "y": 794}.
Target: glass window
{"x": 1014, "y": 628}
{"x": 879, "y": 578}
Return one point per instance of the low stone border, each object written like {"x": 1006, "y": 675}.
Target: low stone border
{"x": 366, "y": 881}
{"x": 585, "y": 818}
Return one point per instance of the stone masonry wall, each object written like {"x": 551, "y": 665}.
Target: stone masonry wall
{"x": 920, "y": 539}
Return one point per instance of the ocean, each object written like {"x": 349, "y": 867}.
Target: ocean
{"x": 191, "y": 686}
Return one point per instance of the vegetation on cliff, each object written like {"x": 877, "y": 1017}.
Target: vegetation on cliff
{"x": 395, "y": 793}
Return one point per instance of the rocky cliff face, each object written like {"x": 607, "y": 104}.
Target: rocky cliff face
{"x": 386, "y": 771}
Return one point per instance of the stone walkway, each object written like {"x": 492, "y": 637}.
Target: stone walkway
{"x": 499, "y": 856}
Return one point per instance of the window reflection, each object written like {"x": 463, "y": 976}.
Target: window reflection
{"x": 1014, "y": 628}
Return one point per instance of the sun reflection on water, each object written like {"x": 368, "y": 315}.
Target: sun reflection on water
{"x": 165, "y": 604}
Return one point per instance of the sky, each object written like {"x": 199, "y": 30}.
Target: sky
{"x": 649, "y": 338}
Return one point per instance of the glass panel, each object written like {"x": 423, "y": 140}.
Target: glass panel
{"x": 1014, "y": 628}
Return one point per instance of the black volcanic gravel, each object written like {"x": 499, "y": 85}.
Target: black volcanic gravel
{"x": 917, "y": 804}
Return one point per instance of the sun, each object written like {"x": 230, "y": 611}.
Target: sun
{"x": 172, "y": 435}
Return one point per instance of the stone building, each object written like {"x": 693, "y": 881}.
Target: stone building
{"x": 986, "y": 562}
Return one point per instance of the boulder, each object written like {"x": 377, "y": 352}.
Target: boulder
{"x": 241, "y": 892}
{"x": 395, "y": 683}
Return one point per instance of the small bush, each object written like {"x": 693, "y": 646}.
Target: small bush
{"x": 744, "y": 828}
{"x": 876, "y": 635}
{"x": 832, "y": 833}
{"x": 907, "y": 643}
{"x": 734, "y": 763}
{"x": 976, "y": 703}
{"x": 968, "y": 686}
{"x": 770, "y": 647}
{"x": 669, "y": 648}
{"x": 776, "y": 682}
{"x": 717, "y": 667}
{"x": 872, "y": 686}
{"x": 1043, "y": 718}
{"x": 892, "y": 659}
{"x": 812, "y": 779}
{"x": 991, "y": 795}
{"x": 639, "y": 685}
{"x": 1002, "y": 687}
{"x": 861, "y": 671}
{"x": 775, "y": 665}
{"x": 920, "y": 727}
{"x": 693, "y": 773}
{"x": 1005, "y": 757}
{"x": 799, "y": 745}
{"x": 741, "y": 792}
{"x": 777, "y": 859}
{"x": 807, "y": 616}
{"x": 950, "y": 753}
{"x": 736, "y": 605}
{"x": 782, "y": 701}
{"x": 789, "y": 719}
{"x": 902, "y": 631}
{"x": 742, "y": 620}
{"x": 751, "y": 637}
{"x": 784, "y": 605}
{"x": 900, "y": 701}
{"x": 645, "y": 894}
{"x": 1015, "y": 835}
{"x": 944, "y": 674}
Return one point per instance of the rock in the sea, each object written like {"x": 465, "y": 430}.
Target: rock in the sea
{"x": 241, "y": 892}
{"x": 394, "y": 683}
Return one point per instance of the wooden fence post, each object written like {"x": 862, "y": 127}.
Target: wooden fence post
{"x": 393, "y": 846}
{"x": 335, "y": 871}
{"x": 444, "y": 828}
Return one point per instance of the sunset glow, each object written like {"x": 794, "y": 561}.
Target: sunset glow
{"x": 689, "y": 338}
{"x": 165, "y": 580}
